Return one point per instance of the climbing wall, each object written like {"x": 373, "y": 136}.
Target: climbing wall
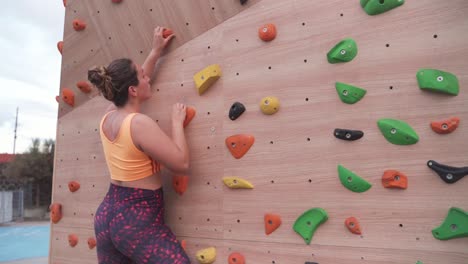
{"x": 293, "y": 162}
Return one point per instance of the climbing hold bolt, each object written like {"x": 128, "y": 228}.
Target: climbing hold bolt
{"x": 455, "y": 225}
{"x": 345, "y": 51}
{"x": 308, "y": 222}
{"x": 237, "y": 183}
{"x": 353, "y": 225}
{"x": 269, "y": 105}
{"x": 236, "y": 110}
{"x": 445, "y": 126}
{"x": 397, "y": 132}
{"x": 352, "y": 181}
{"x": 206, "y": 77}
{"x": 206, "y": 256}
{"x": 267, "y": 32}
{"x": 347, "y": 134}
{"x": 239, "y": 144}
{"x": 438, "y": 81}
{"x": 349, "y": 94}
{"x": 447, "y": 173}
{"x": 394, "y": 179}
{"x": 272, "y": 222}
{"x": 375, "y": 7}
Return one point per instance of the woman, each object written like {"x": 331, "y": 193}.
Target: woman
{"x": 129, "y": 223}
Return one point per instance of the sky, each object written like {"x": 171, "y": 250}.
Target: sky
{"x": 29, "y": 70}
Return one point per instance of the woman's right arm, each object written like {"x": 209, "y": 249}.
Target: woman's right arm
{"x": 172, "y": 153}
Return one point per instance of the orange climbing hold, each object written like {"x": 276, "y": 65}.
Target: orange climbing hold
{"x": 72, "y": 240}
{"x": 180, "y": 183}
{"x": 236, "y": 258}
{"x": 84, "y": 86}
{"x": 167, "y": 32}
{"x": 272, "y": 222}
{"x": 55, "y": 212}
{"x": 60, "y": 46}
{"x": 445, "y": 126}
{"x": 267, "y": 32}
{"x": 91, "y": 242}
{"x": 65, "y": 3}
{"x": 189, "y": 114}
{"x": 353, "y": 225}
{"x": 79, "y": 25}
{"x": 394, "y": 179}
{"x": 68, "y": 97}
{"x": 73, "y": 186}
{"x": 238, "y": 145}
{"x": 183, "y": 244}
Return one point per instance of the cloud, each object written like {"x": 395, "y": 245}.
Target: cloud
{"x": 30, "y": 70}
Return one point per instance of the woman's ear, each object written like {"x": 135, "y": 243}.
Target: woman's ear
{"x": 132, "y": 91}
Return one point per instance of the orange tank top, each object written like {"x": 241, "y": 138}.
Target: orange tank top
{"x": 124, "y": 160}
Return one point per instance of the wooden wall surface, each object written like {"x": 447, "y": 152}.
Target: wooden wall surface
{"x": 293, "y": 163}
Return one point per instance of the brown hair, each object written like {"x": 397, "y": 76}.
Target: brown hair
{"x": 113, "y": 81}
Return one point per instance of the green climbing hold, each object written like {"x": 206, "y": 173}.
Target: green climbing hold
{"x": 349, "y": 94}
{"x": 455, "y": 225}
{"x": 308, "y": 222}
{"x": 344, "y": 51}
{"x": 352, "y": 181}
{"x": 375, "y": 7}
{"x": 419, "y": 262}
{"x": 438, "y": 81}
{"x": 397, "y": 132}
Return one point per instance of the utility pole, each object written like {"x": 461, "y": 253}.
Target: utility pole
{"x": 16, "y": 126}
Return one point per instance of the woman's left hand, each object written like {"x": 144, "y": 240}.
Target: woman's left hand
{"x": 159, "y": 42}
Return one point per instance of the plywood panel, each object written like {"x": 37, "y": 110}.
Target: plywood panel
{"x": 293, "y": 163}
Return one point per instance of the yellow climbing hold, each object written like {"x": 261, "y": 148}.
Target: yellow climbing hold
{"x": 206, "y": 256}
{"x": 269, "y": 105}
{"x": 237, "y": 183}
{"x": 206, "y": 77}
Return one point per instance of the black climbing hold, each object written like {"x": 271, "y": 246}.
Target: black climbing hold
{"x": 236, "y": 110}
{"x": 243, "y": 2}
{"x": 347, "y": 134}
{"x": 447, "y": 173}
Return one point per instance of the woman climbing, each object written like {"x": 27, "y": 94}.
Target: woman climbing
{"x": 129, "y": 223}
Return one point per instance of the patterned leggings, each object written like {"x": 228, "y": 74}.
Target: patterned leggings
{"x": 129, "y": 227}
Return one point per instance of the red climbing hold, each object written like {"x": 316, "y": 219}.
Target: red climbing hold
{"x": 236, "y": 258}
{"x": 167, "y": 32}
{"x": 91, "y": 242}
{"x": 353, "y": 225}
{"x": 55, "y": 212}
{"x": 84, "y": 86}
{"x": 72, "y": 240}
{"x": 68, "y": 97}
{"x": 189, "y": 114}
{"x": 79, "y": 25}
{"x": 73, "y": 186}
{"x": 116, "y": 1}
{"x": 65, "y": 3}
{"x": 272, "y": 222}
{"x": 445, "y": 126}
{"x": 267, "y": 32}
{"x": 180, "y": 183}
{"x": 394, "y": 179}
{"x": 183, "y": 244}
{"x": 60, "y": 46}
{"x": 238, "y": 145}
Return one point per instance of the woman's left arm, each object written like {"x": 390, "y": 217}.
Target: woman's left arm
{"x": 159, "y": 43}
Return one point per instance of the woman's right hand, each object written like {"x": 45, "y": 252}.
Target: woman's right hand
{"x": 178, "y": 113}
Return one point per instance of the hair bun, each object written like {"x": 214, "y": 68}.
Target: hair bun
{"x": 99, "y": 77}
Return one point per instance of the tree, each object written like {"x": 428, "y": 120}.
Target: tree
{"x": 34, "y": 167}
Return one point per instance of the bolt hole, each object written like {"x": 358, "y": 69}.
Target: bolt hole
{"x": 387, "y": 45}
{"x": 341, "y": 14}
{"x": 435, "y": 36}
{"x": 305, "y": 61}
{"x": 151, "y": 9}
{"x": 307, "y": 99}
{"x": 382, "y": 2}
{"x": 272, "y": 181}
{"x": 310, "y": 180}
{"x": 303, "y": 23}
{"x": 209, "y": 47}
{"x": 401, "y": 225}
{"x": 212, "y": 8}
{"x": 269, "y": 67}
{"x": 187, "y": 23}
{"x": 238, "y": 221}
{"x": 129, "y": 25}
